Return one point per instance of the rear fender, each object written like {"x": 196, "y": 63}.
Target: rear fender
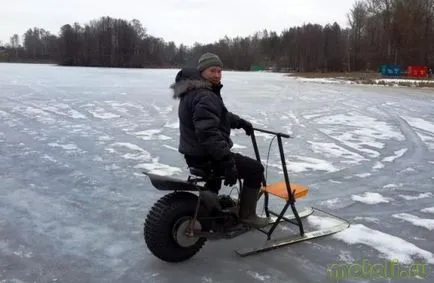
{"x": 166, "y": 183}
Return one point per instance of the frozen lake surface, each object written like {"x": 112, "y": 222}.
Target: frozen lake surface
{"x": 73, "y": 143}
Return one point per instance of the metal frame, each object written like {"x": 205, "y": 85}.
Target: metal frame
{"x": 303, "y": 236}
{"x": 291, "y": 194}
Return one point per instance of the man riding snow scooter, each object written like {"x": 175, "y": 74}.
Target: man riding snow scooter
{"x": 178, "y": 225}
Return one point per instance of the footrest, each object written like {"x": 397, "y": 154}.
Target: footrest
{"x": 279, "y": 189}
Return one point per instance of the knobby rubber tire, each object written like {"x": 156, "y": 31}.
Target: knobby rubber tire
{"x": 159, "y": 224}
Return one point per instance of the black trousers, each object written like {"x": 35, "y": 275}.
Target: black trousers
{"x": 250, "y": 170}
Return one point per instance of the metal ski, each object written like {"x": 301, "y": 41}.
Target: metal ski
{"x": 273, "y": 244}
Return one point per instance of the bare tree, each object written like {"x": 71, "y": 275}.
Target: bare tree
{"x": 357, "y": 19}
{"x": 15, "y": 41}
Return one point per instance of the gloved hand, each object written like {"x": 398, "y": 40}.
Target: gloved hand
{"x": 246, "y": 126}
{"x": 230, "y": 170}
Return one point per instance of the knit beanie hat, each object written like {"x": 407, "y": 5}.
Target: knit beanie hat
{"x": 207, "y": 60}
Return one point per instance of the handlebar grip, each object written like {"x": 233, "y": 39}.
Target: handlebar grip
{"x": 273, "y": 133}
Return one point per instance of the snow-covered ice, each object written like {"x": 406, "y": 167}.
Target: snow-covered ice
{"x": 332, "y": 150}
{"x": 152, "y": 134}
{"x": 159, "y": 169}
{"x": 418, "y": 196}
{"x": 398, "y": 154}
{"x": 331, "y": 203}
{"x": 75, "y": 141}
{"x": 415, "y": 220}
{"x": 371, "y": 198}
{"x": 420, "y": 123}
{"x": 428, "y": 210}
{"x": 389, "y": 246}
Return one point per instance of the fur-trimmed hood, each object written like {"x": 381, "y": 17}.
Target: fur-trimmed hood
{"x": 186, "y": 80}
{"x": 181, "y": 87}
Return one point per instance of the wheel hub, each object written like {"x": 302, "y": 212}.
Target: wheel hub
{"x": 180, "y": 230}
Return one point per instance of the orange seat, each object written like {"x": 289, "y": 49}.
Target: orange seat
{"x": 279, "y": 189}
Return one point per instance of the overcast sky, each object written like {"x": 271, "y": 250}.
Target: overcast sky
{"x": 181, "y": 21}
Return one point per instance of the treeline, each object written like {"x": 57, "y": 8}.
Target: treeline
{"x": 379, "y": 32}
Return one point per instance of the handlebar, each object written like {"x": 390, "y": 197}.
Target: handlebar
{"x": 273, "y": 133}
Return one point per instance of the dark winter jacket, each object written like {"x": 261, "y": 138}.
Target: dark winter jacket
{"x": 205, "y": 123}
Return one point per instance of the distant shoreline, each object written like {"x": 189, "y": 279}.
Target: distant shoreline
{"x": 362, "y": 78}
{"x": 358, "y": 78}
{"x": 87, "y": 66}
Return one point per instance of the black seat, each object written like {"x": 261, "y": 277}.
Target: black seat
{"x": 199, "y": 172}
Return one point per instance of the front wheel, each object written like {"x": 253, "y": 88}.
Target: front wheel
{"x": 165, "y": 225}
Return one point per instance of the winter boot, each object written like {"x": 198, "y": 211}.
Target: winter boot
{"x": 247, "y": 213}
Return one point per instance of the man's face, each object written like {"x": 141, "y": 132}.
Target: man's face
{"x": 213, "y": 74}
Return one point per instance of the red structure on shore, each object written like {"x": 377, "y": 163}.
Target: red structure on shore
{"x": 417, "y": 71}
